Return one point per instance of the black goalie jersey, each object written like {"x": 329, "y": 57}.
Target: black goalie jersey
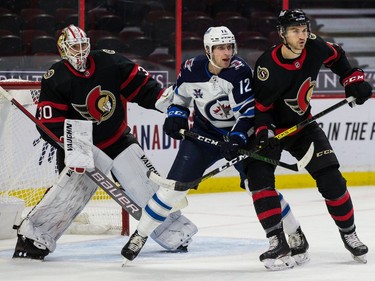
{"x": 96, "y": 95}
{"x": 283, "y": 88}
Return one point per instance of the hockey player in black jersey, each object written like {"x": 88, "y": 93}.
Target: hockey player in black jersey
{"x": 91, "y": 87}
{"x": 219, "y": 87}
{"x": 285, "y": 77}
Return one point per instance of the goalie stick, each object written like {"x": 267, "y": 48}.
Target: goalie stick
{"x": 115, "y": 192}
{"x": 182, "y": 186}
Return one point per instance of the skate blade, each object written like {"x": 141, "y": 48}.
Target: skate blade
{"x": 125, "y": 261}
{"x": 301, "y": 258}
{"x": 360, "y": 259}
{"x": 281, "y": 263}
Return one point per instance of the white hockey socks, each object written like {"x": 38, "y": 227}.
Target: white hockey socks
{"x": 290, "y": 223}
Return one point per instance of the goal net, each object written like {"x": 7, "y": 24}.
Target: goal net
{"x": 28, "y": 168}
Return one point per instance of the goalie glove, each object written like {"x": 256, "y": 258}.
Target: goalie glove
{"x": 356, "y": 86}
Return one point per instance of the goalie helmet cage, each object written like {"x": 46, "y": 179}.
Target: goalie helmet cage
{"x": 28, "y": 165}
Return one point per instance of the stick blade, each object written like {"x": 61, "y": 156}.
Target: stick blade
{"x": 301, "y": 164}
{"x": 170, "y": 184}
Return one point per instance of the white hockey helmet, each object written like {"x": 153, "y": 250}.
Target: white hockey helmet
{"x": 74, "y": 46}
{"x": 218, "y": 35}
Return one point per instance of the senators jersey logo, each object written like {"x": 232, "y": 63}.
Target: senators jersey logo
{"x": 301, "y": 103}
{"x": 99, "y": 105}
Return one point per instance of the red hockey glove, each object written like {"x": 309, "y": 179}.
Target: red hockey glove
{"x": 356, "y": 86}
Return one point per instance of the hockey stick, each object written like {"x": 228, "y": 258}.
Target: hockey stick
{"x": 115, "y": 192}
{"x": 306, "y": 122}
{"x": 182, "y": 186}
{"x": 294, "y": 167}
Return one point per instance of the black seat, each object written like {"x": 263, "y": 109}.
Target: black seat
{"x": 162, "y": 29}
{"x": 111, "y": 43}
{"x": 10, "y": 22}
{"x": 255, "y": 43}
{"x": 199, "y": 24}
{"x": 10, "y": 45}
{"x": 142, "y": 46}
{"x": 236, "y": 24}
{"x": 95, "y": 34}
{"x": 44, "y": 44}
{"x": 27, "y": 37}
{"x": 44, "y": 22}
{"x": 111, "y": 23}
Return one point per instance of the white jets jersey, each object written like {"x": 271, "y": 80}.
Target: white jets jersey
{"x": 222, "y": 99}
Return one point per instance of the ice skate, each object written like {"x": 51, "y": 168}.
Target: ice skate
{"x": 135, "y": 244}
{"x": 299, "y": 246}
{"x": 29, "y": 249}
{"x": 355, "y": 246}
{"x": 278, "y": 256}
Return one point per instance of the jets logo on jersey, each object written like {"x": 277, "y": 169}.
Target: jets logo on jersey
{"x": 262, "y": 73}
{"x": 198, "y": 93}
{"x": 99, "y": 105}
{"x": 219, "y": 109}
{"x": 301, "y": 103}
{"x": 236, "y": 64}
{"x": 188, "y": 64}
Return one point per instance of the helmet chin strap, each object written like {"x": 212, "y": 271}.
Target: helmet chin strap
{"x": 211, "y": 61}
{"x": 290, "y": 49}
{"x": 285, "y": 43}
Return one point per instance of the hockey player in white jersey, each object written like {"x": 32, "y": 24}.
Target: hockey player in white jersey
{"x": 218, "y": 85}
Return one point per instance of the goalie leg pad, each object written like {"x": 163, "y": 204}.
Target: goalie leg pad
{"x": 130, "y": 168}
{"x": 57, "y": 209}
{"x": 174, "y": 232}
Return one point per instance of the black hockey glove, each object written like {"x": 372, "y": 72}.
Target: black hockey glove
{"x": 265, "y": 141}
{"x": 177, "y": 119}
{"x": 356, "y": 86}
{"x": 230, "y": 148}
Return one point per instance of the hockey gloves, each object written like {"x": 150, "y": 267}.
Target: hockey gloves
{"x": 356, "y": 86}
{"x": 265, "y": 141}
{"x": 177, "y": 119}
{"x": 230, "y": 148}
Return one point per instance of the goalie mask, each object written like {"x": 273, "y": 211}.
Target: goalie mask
{"x": 74, "y": 46}
{"x": 218, "y": 35}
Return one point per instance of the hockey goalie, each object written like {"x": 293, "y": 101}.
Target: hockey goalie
{"x": 81, "y": 102}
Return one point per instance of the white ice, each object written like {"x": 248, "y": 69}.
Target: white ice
{"x": 227, "y": 246}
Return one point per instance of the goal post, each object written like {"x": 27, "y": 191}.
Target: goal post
{"x": 28, "y": 168}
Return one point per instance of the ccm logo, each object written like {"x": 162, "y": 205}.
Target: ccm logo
{"x": 356, "y": 77}
{"x": 324, "y": 152}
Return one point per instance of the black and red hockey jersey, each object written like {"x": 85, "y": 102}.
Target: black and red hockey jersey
{"x": 283, "y": 88}
{"x": 96, "y": 95}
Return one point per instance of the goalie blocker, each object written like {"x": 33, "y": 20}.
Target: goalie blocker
{"x": 44, "y": 225}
